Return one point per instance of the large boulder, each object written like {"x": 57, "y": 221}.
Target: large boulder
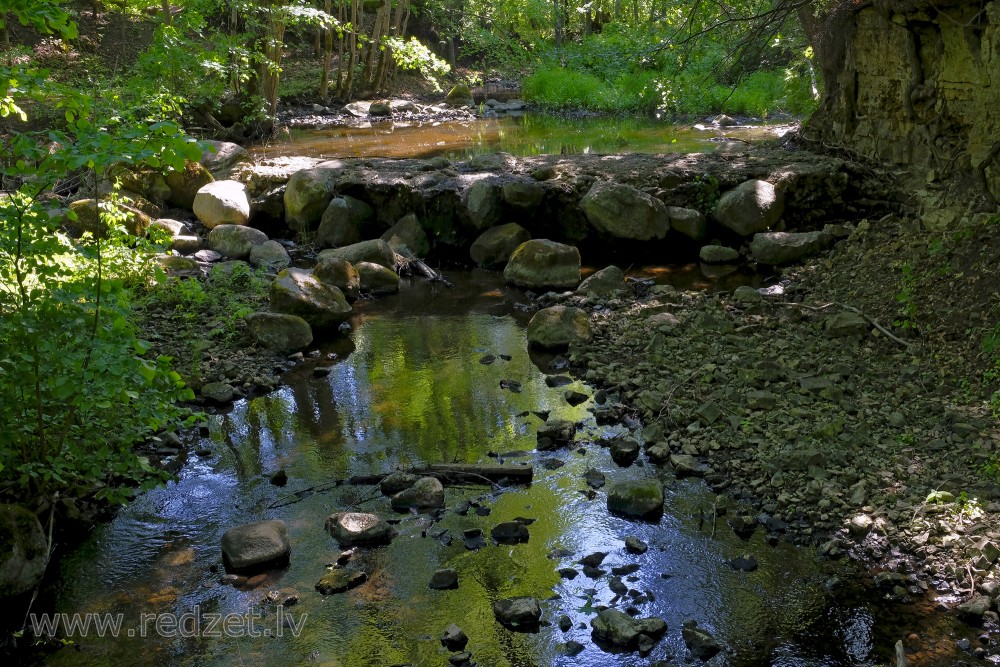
{"x": 24, "y": 551}
{"x": 688, "y": 222}
{"x": 781, "y": 248}
{"x": 482, "y": 201}
{"x": 751, "y": 207}
{"x": 308, "y": 195}
{"x": 270, "y": 255}
{"x": 87, "y": 219}
{"x": 280, "y": 332}
{"x": 559, "y": 326}
{"x": 625, "y": 212}
{"x": 299, "y": 292}
{"x": 542, "y": 263}
{"x": 619, "y": 629}
{"x": 256, "y": 546}
{"x": 523, "y": 194}
{"x": 359, "y": 528}
{"x": 494, "y": 246}
{"x": 375, "y": 251}
{"x": 377, "y": 279}
{"x": 345, "y": 221}
{"x": 144, "y": 182}
{"x": 637, "y": 498}
{"x": 219, "y": 157}
{"x": 407, "y": 237}
{"x": 222, "y": 203}
{"x": 235, "y": 241}
{"x": 605, "y": 282}
{"x": 185, "y": 183}
{"x": 425, "y": 494}
{"x": 340, "y": 273}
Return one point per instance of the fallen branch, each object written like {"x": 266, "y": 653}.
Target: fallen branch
{"x": 852, "y": 309}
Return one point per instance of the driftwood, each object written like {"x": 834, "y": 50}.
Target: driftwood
{"x": 412, "y": 265}
{"x": 460, "y": 473}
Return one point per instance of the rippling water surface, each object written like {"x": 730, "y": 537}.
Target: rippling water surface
{"x": 407, "y": 387}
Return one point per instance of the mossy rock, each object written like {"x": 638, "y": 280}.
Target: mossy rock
{"x": 87, "y": 219}
{"x": 460, "y": 96}
{"x": 637, "y": 498}
{"x": 185, "y": 183}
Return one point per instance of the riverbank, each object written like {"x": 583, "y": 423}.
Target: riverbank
{"x": 839, "y": 433}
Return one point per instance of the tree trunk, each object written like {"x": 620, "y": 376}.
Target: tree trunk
{"x": 270, "y": 69}
{"x": 324, "y": 86}
{"x": 375, "y": 45}
{"x": 340, "y": 48}
{"x": 165, "y": 10}
{"x": 557, "y": 15}
{"x": 357, "y": 15}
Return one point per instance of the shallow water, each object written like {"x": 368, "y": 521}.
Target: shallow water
{"x": 408, "y": 388}
{"x": 520, "y": 136}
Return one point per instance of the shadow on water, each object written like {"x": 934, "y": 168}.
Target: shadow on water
{"x": 410, "y": 388}
{"x": 520, "y": 136}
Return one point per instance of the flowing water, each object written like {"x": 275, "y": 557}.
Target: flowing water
{"x": 406, "y": 386}
{"x": 521, "y": 135}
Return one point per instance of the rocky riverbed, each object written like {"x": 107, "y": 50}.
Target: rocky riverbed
{"x": 814, "y": 411}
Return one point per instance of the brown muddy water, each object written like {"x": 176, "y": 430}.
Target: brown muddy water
{"x": 406, "y": 386}
{"x": 520, "y": 136}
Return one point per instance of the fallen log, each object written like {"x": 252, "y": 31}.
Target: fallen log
{"x": 447, "y": 473}
{"x": 459, "y": 473}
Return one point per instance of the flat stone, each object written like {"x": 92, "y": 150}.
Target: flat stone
{"x": 359, "y": 528}
{"x": 340, "y": 580}
{"x": 256, "y": 546}
{"x": 518, "y": 612}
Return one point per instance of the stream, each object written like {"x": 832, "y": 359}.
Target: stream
{"x": 405, "y": 386}
{"x": 529, "y": 134}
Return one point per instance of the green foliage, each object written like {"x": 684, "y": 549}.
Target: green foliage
{"x": 45, "y": 16}
{"x": 412, "y": 55}
{"x": 222, "y": 301}
{"x": 79, "y": 387}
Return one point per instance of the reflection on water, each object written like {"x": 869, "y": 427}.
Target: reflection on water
{"x": 520, "y": 136}
{"x": 411, "y": 389}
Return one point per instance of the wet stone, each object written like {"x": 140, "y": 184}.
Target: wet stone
{"x": 518, "y": 613}
{"x": 574, "y": 648}
{"x": 595, "y": 478}
{"x": 551, "y": 463}
{"x": 510, "y": 532}
{"x": 575, "y": 398}
{"x": 623, "y": 570}
{"x": 744, "y": 563}
{"x": 474, "y": 539}
{"x": 454, "y": 639}
{"x": 624, "y": 451}
{"x": 635, "y": 546}
{"x": 338, "y": 581}
{"x": 444, "y": 579}
{"x": 699, "y": 641}
{"x": 594, "y": 559}
{"x": 565, "y": 623}
{"x": 557, "y": 380}
{"x": 568, "y": 573}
